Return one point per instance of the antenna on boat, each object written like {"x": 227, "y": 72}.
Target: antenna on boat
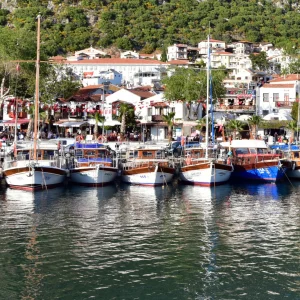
{"x": 207, "y": 91}
{"x": 297, "y": 123}
{"x": 37, "y": 75}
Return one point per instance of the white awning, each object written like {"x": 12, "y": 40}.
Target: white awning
{"x": 106, "y": 123}
{"x": 72, "y": 124}
{"x": 243, "y": 117}
{"x": 277, "y": 117}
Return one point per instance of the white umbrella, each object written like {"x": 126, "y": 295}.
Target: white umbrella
{"x": 243, "y": 117}
{"x": 277, "y": 117}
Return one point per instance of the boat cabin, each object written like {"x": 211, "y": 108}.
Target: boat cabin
{"x": 89, "y": 155}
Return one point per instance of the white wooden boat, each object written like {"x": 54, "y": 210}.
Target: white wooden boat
{"x": 93, "y": 165}
{"x": 24, "y": 172}
{"x": 38, "y": 169}
{"x": 198, "y": 170}
{"x": 146, "y": 166}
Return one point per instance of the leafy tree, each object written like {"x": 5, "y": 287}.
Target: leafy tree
{"x": 295, "y": 110}
{"x": 164, "y": 57}
{"x": 169, "y": 119}
{"x": 189, "y": 86}
{"x": 259, "y": 61}
{"x": 292, "y": 126}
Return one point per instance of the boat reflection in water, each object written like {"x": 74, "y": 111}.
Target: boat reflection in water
{"x": 23, "y": 214}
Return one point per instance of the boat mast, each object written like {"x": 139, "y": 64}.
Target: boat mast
{"x": 207, "y": 95}
{"x": 36, "y": 102}
{"x": 297, "y": 140}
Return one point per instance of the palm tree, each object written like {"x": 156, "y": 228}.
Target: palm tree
{"x": 125, "y": 110}
{"x": 98, "y": 119}
{"x": 236, "y": 126}
{"x": 254, "y": 122}
{"x": 292, "y": 126}
{"x": 169, "y": 118}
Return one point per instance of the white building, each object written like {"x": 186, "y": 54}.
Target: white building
{"x": 177, "y": 52}
{"x": 133, "y": 71}
{"x": 88, "y": 53}
{"x": 130, "y": 54}
{"x": 215, "y": 45}
{"x": 279, "y": 95}
{"x": 97, "y": 77}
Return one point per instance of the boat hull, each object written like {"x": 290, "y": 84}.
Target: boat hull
{"x": 205, "y": 174}
{"x": 93, "y": 176}
{"x": 294, "y": 171}
{"x": 148, "y": 175}
{"x": 265, "y": 171}
{"x": 34, "y": 178}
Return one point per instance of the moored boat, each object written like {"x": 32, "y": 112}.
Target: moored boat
{"x": 198, "y": 170}
{"x": 291, "y": 159}
{"x": 93, "y": 165}
{"x": 37, "y": 169}
{"x": 146, "y": 166}
{"x": 251, "y": 160}
{"x": 24, "y": 172}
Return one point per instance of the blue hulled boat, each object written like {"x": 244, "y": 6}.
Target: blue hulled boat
{"x": 252, "y": 160}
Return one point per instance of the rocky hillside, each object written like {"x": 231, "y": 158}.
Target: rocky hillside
{"x": 69, "y": 25}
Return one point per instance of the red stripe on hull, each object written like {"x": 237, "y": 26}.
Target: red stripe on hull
{"x": 92, "y": 184}
{"x": 34, "y": 188}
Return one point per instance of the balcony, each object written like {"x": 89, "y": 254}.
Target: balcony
{"x": 284, "y": 104}
{"x": 157, "y": 118}
{"x": 235, "y": 108}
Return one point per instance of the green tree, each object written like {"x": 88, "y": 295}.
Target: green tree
{"x": 235, "y": 126}
{"x": 169, "y": 119}
{"x": 98, "y": 119}
{"x": 125, "y": 110}
{"x": 295, "y": 110}
{"x": 254, "y": 122}
{"x": 164, "y": 57}
{"x": 292, "y": 126}
{"x": 189, "y": 86}
{"x": 259, "y": 61}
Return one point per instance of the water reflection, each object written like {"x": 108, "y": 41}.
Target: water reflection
{"x": 177, "y": 242}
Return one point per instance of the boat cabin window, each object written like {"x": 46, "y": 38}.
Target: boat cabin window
{"x": 132, "y": 154}
{"x": 253, "y": 150}
{"x": 48, "y": 154}
{"x": 90, "y": 152}
{"x": 241, "y": 151}
{"x": 78, "y": 153}
{"x": 147, "y": 154}
{"x": 296, "y": 154}
{"x": 261, "y": 151}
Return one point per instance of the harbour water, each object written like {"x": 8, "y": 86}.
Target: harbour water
{"x": 131, "y": 242}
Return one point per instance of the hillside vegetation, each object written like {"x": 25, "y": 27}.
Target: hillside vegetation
{"x": 70, "y": 25}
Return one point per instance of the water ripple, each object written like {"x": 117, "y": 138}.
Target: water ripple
{"x": 130, "y": 242}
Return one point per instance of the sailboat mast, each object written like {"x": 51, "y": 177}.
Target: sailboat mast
{"x": 36, "y": 102}
{"x": 207, "y": 95}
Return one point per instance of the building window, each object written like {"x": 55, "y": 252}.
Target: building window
{"x": 265, "y": 97}
{"x": 276, "y": 97}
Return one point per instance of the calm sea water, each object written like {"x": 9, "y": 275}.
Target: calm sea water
{"x": 130, "y": 242}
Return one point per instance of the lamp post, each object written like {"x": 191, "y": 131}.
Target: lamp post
{"x": 105, "y": 86}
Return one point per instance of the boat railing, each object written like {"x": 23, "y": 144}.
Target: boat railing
{"x": 150, "y": 163}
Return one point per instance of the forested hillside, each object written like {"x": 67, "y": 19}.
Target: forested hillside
{"x": 69, "y": 25}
